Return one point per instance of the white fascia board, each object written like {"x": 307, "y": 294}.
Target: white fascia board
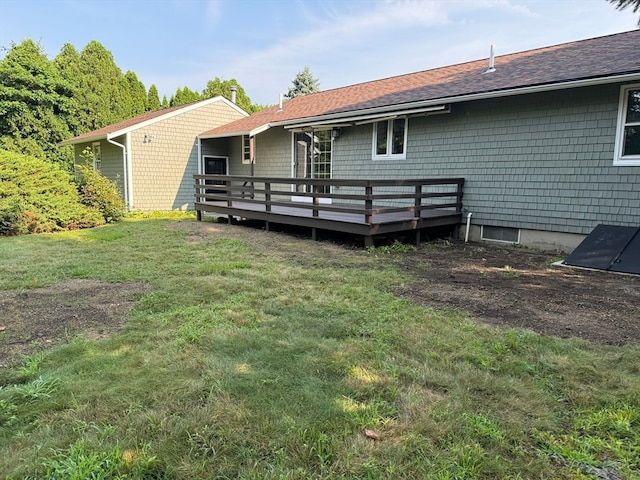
{"x": 224, "y": 135}
{"x": 260, "y": 129}
{"x": 342, "y": 116}
{"x": 238, "y": 133}
{"x": 104, "y": 136}
{"x": 362, "y": 119}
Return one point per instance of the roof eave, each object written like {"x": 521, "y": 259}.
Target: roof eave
{"x": 346, "y": 116}
{"x": 237, "y": 133}
{"x": 75, "y": 141}
{"x": 135, "y": 126}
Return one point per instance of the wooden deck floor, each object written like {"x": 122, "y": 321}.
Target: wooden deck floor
{"x": 382, "y": 224}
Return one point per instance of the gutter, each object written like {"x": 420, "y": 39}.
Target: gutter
{"x": 343, "y": 116}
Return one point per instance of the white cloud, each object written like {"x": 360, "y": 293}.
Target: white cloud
{"x": 213, "y": 11}
{"x": 346, "y": 42}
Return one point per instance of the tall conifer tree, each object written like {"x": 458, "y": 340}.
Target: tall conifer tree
{"x": 34, "y": 103}
{"x": 153, "y": 100}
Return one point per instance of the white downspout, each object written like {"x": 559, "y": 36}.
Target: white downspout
{"x": 126, "y": 169}
{"x": 466, "y": 234}
{"x": 129, "y": 172}
{"x": 199, "y": 156}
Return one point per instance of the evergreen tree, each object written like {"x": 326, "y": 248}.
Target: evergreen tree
{"x": 184, "y": 96}
{"x": 153, "y": 100}
{"x": 34, "y": 103}
{"x": 165, "y": 103}
{"x": 303, "y": 83}
{"x": 220, "y": 87}
{"x": 67, "y": 62}
{"x": 106, "y": 99}
{"x": 137, "y": 94}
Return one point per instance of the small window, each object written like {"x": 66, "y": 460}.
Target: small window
{"x": 501, "y": 234}
{"x": 246, "y": 149}
{"x": 628, "y": 132}
{"x": 390, "y": 139}
{"x": 97, "y": 156}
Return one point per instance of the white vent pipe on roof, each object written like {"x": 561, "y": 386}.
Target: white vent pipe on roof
{"x": 234, "y": 91}
{"x": 281, "y": 102}
{"x": 491, "y": 68}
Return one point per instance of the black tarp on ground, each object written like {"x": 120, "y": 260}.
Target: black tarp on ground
{"x": 609, "y": 247}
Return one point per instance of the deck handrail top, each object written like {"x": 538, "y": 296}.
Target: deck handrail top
{"x": 335, "y": 181}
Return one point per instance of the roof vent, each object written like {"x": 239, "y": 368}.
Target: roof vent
{"x": 234, "y": 91}
{"x": 491, "y": 68}
{"x": 281, "y": 101}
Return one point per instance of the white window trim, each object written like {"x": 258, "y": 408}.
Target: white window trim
{"x": 96, "y": 152}
{"x": 618, "y": 159}
{"x": 389, "y": 155}
{"x": 245, "y": 160}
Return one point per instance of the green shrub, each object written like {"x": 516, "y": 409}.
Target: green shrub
{"x": 100, "y": 193}
{"x": 39, "y": 196}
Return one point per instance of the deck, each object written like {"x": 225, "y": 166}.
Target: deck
{"x": 368, "y": 208}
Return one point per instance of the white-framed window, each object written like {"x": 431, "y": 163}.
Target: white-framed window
{"x": 390, "y": 139}
{"x": 627, "y": 150}
{"x": 246, "y": 149}
{"x": 97, "y": 156}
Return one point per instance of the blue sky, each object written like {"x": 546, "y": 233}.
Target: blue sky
{"x": 264, "y": 43}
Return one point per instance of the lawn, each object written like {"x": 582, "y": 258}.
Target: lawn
{"x": 253, "y": 355}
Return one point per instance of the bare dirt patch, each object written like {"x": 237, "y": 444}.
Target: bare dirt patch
{"x": 39, "y": 318}
{"x": 517, "y": 287}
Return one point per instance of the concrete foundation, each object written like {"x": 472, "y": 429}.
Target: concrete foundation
{"x": 543, "y": 240}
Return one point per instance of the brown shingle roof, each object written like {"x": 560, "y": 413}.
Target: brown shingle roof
{"x": 132, "y": 122}
{"x": 601, "y": 57}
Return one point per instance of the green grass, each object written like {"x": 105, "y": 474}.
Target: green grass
{"x": 243, "y": 361}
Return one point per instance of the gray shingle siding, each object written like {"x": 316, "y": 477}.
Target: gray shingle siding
{"x": 273, "y": 153}
{"x": 112, "y": 165}
{"x": 539, "y": 161}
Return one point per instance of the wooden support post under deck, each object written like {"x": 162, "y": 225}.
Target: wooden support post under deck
{"x": 199, "y": 215}
{"x": 417, "y": 237}
{"x": 314, "y": 234}
{"x": 266, "y": 225}
{"x": 368, "y": 241}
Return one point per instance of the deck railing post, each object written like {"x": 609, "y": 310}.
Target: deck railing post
{"x": 459, "y": 196}
{"x": 418, "y": 201}
{"x": 368, "y": 203}
{"x": 267, "y": 196}
{"x": 228, "y": 188}
{"x": 316, "y": 200}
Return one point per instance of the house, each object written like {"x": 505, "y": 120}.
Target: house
{"x": 153, "y": 157}
{"x": 547, "y": 140}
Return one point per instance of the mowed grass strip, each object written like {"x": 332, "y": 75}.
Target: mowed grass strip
{"x": 263, "y": 356}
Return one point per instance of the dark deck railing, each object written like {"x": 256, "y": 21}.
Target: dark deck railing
{"x": 363, "y": 202}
